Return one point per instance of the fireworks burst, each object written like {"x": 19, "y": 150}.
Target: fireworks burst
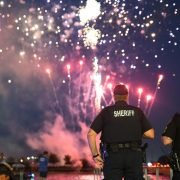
{"x": 88, "y": 48}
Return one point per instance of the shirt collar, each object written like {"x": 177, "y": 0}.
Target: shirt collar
{"x": 121, "y": 102}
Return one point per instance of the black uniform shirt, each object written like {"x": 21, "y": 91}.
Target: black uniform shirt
{"x": 121, "y": 123}
{"x": 173, "y": 131}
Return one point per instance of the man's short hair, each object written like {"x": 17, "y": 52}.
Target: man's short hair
{"x": 120, "y": 89}
{"x": 45, "y": 152}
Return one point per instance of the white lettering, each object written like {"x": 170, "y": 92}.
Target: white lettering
{"x": 121, "y": 113}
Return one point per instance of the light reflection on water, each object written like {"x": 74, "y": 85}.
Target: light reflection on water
{"x": 74, "y": 176}
{"x": 71, "y": 176}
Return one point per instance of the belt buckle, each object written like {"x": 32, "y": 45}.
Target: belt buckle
{"x": 114, "y": 148}
{"x": 126, "y": 145}
{"x": 120, "y": 146}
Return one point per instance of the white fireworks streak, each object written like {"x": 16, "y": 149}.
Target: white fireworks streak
{"x": 97, "y": 85}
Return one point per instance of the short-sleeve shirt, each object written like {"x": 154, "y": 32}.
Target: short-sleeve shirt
{"x": 43, "y": 164}
{"x": 121, "y": 123}
{"x": 173, "y": 131}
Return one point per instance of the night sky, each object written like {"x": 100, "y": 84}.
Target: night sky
{"x": 59, "y": 61}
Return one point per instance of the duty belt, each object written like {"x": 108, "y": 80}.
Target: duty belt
{"x": 118, "y": 146}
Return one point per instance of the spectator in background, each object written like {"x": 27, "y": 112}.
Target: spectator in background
{"x": 6, "y": 171}
{"x": 171, "y": 136}
{"x": 43, "y": 165}
{"x": 2, "y": 157}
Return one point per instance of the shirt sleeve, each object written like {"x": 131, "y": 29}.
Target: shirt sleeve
{"x": 97, "y": 124}
{"x": 170, "y": 130}
{"x": 146, "y": 125}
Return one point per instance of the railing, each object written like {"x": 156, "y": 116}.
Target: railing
{"x": 166, "y": 171}
{"x": 98, "y": 175}
{"x": 147, "y": 170}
